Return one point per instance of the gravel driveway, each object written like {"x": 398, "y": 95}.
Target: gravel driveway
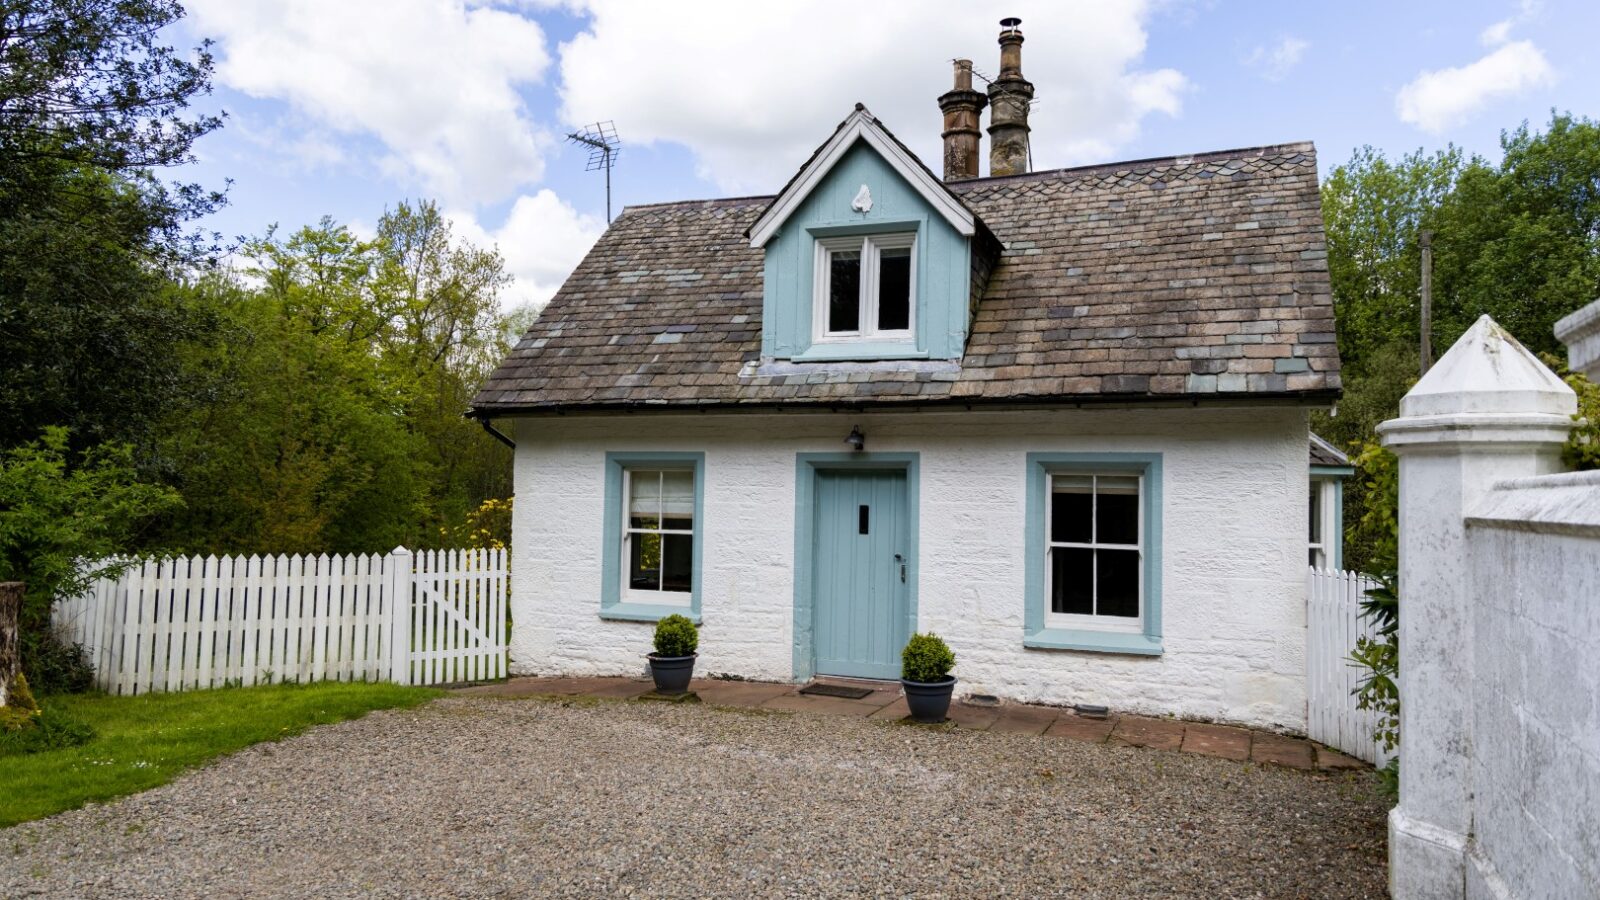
{"x": 473, "y": 798}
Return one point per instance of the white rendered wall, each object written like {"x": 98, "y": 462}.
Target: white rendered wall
{"x": 1233, "y": 582}
{"x": 1535, "y": 690}
{"x": 1497, "y": 636}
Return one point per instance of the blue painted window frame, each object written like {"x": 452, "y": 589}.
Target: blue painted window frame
{"x": 1333, "y": 542}
{"x": 1035, "y": 634}
{"x": 612, "y": 606}
{"x": 806, "y": 467}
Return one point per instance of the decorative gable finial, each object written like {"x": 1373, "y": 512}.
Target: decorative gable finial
{"x": 863, "y": 201}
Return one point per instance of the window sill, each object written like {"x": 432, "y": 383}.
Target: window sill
{"x": 859, "y": 350}
{"x": 1135, "y": 643}
{"x": 646, "y": 612}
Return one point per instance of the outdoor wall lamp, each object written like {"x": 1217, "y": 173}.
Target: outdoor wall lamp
{"x": 856, "y": 440}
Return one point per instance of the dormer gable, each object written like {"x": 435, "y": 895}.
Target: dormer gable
{"x": 867, "y": 255}
{"x": 860, "y": 125}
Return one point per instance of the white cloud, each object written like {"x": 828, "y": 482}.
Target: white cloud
{"x": 1496, "y": 34}
{"x": 752, "y": 88}
{"x": 543, "y": 239}
{"x": 1276, "y": 62}
{"x": 434, "y": 81}
{"x": 1500, "y": 32}
{"x": 1437, "y": 100}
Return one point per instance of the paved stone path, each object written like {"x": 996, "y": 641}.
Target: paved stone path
{"x": 885, "y": 702}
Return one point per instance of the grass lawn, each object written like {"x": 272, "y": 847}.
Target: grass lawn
{"x": 141, "y": 742}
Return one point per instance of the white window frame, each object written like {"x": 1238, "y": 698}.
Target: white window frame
{"x": 869, "y": 246}
{"x": 1324, "y": 488}
{"x": 631, "y": 594}
{"x": 1079, "y": 621}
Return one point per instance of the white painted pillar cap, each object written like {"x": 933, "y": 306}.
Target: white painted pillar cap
{"x": 1581, "y": 333}
{"x": 1487, "y": 389}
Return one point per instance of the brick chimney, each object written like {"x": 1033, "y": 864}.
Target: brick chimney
{"x": 961, "y": 107}
{"x": 1009, "y": 97}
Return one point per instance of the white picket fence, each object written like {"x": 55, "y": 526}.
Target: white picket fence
{"x": 1333, "y": 622}
{"x": 197, "y": 622}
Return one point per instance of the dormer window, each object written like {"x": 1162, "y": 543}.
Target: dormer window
{"x": 865, "y": 288}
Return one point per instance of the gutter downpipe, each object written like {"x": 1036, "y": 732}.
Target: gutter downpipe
{"x": 493, "y": 431}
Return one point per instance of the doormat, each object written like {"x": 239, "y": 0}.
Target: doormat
{"x": 835, "y": 690}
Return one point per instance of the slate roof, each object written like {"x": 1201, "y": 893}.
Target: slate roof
{"x": 1325, "y": 454}
{"x": 1183, "y": 278}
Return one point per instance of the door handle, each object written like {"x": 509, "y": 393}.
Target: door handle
{"x": 901, "y": 560}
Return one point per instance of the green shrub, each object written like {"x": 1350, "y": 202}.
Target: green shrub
{"x": 926, "y": 658}
{"x": 49, "y": 731}
{"x": 64, "y": 518}
{"x": 676, "y": 636}
{"x": 54, "y": 666}
{"x": 1582, "y": 450}
{"x": 21, "y": 711}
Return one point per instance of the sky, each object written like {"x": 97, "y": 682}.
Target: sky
{"x": 343, "y": 108}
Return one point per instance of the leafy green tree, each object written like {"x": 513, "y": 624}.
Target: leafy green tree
{"x": 347, "y": 365}
{"x": 303, "y": 450}
{"x": 92, "y": 105}
{"x": 1373, "y": 210}
{"x": 447, "y": 333}
{"x": 1521, "y": 240}
{"x": 65, "y": 521}
{"x": 1518, "y": 240}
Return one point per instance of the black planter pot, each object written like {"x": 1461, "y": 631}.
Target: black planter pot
{"x": 672, "y": 673}
{"x": 929, "y": 700}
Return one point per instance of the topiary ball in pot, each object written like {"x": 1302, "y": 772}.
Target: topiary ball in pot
{"x": 925, "y": 666}
{"x": 672, "y": 665}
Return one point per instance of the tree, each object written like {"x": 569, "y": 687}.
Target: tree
{"x": 447, "y": 333}
{"x": 1518, "y": 240}
{"x": 91, "y": 105}
{"x": 87, "y": 82}
{"x": 64, "y": 522}
{"x": 1521, "y": 241}
{"x": 1373, "y": 210}
{"x": 304, "y": 449}
{"x": 346, "y": 366}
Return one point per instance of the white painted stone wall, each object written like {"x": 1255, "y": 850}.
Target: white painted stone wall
{"x": 1580, "y": 331}
{"x": 1499, "y": 634}
{"x": 1233, "y": 608}
{"x": 1535, "y": 550}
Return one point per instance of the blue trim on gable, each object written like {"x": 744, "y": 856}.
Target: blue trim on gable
{"x": 1035, "y": 634}
{"x": 943, "y": 263}
{"x": 612, "y": 606}
{"x": 806, "y": 466}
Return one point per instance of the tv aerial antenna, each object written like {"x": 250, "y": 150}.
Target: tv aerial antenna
{"x": 601, "y": 140}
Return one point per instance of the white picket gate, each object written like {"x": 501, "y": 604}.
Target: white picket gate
{"x": 1333, "y": 622}
{"x": 196, "y": 622}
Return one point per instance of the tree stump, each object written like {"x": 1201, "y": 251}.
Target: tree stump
{"x": 10, "y": 652}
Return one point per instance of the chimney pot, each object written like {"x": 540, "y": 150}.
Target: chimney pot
{"x": 1010, "y": 96}
{"x": 962, "y": 107}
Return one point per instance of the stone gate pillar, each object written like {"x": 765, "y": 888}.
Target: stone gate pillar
{"x": 1486, "y": 412}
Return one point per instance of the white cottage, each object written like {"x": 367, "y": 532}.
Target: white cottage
{"x": 1057, "y": 417}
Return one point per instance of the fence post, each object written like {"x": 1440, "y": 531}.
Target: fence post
{"x": 397, "y": 570}
{"x": 1486, "y": 412}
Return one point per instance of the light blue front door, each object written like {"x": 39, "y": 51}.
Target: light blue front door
{"x": 860, "y": 564}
